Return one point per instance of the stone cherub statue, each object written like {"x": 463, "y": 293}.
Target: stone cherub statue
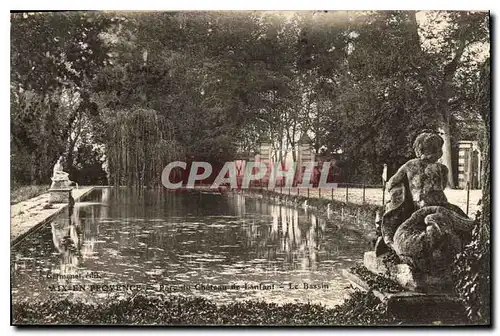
{"x": 419, "y": 224}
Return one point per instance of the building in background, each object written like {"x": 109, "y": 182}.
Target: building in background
{"x": 469, "y": 164}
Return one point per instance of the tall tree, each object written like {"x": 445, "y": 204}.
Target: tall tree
{"x": 440, "y": 46}
{"x": 52, "y": 56}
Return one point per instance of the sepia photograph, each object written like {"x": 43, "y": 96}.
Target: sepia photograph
{"x": 325, "y": 168}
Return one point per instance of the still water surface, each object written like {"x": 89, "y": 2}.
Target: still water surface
{"x": 186, "y": 241}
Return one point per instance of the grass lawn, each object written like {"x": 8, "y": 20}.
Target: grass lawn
{"x": 23, "y": 193}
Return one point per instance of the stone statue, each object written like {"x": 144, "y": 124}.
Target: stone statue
{"x": 419, "y": 224}
{"x": 60, "y": 189}
{"x": 60, "y": 179}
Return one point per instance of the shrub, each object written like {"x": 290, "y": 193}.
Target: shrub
{"x": 472, "y": 276}
{"x": 360, "y": 309}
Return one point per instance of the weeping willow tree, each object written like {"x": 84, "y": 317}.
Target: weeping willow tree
{"x": 139, "y": 143}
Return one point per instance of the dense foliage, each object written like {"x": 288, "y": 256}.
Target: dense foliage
{"x": 376, "y": 281}
{"x": 360, "y": 309}
{"x": 473, "y": 266}
{"x": 140, "y": 89}
{"x": 472, "y": 278}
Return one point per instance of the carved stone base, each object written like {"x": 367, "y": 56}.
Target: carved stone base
{"x": 60, "y": 195}
{"x": 60, "y": 185}
{"x": 406, "y": 277}
{"x": 414, "y": 307}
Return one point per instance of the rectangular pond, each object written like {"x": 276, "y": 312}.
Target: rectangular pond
{"x": 117, "y": 242}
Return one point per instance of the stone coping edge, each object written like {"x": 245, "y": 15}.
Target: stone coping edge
{"x": 38, "y": 225}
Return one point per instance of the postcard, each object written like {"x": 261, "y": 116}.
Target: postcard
{"x": 250, "y": 168}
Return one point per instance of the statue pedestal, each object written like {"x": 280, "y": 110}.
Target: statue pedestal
{"x": 406, "y": 277}
{"x": 414, "y": 307}
{"x": 60, "y": 190}
{"x": 58, "y": 184}
{"x": 60, "y": 195}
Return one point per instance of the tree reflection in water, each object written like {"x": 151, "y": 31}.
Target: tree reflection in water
{"x": 66, "y": 237}
{"x": 293, "y": 233}
{"x": 151, "y": 236}
{"x": 76, "y": 238}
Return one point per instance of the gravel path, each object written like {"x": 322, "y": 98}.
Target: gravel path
{"x": 374, "y": 196}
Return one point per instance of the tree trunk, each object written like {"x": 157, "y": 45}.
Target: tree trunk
{"x": 486, "y": 170}
{"x": 446, "y": 158}
{"x": 69, "y": 157}
{"x": 437, "y": 97}
{"x": 486, "y": 181}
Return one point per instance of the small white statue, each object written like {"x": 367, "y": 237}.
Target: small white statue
{"x": 58, "y": 173}
{"x": 60, "y": 179}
